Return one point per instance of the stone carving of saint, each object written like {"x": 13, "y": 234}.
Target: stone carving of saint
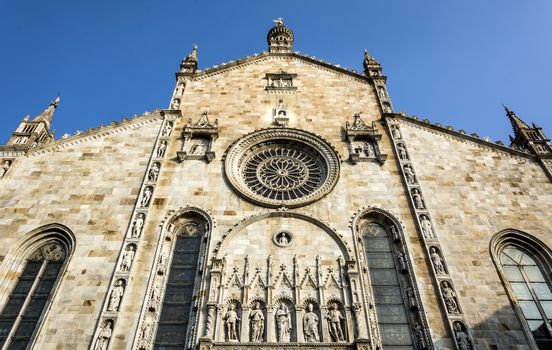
{"x": 180, "y": 88}
{"x": 153, "y": 172}
{"x": 462, "y": 338}
{"x": 396, "y": 132}
{"x": 411, "y": 298}
{"x": 401, "y": 258}
{"x": 137, "y": 225}
{"x": 198, "y": 149}
{"x": 427, "y": 228}
{"x": 156, "y": 291}
{"x": 175, "y": 104}
{"x": 334, "y": 320}
{"x": 395, "y": 233}
{"x": 145, "y": 330}
{"x": 449, "y": 296}
{"x": 283, "y": 239}
{"x": 310, "y": 326}
{"x": 368, "y": 149}
{"x": 402, "y": 151}
{"x": 283, "y": 324}
{"x": 417, "y": 197}
{"x": 4, "y": 169}
{"x": 410, "y": 178}
{"x": 381, "y": 91}
{"x": 256, "y": 318}
{"x": 161, "y": 149}
{"x": 231, "y": 320}
{"x": 419, "y": 337}
{"x": 116, "y": 296}
{"x": 167, "y": 129}
{"x": 104, "y": 336}
{"x": 146, "y": 197}
{"x": 128, "y": 256}
{"x": 437, "y": 261}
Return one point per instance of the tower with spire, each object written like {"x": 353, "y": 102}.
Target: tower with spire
{"x": 36, "y": 131}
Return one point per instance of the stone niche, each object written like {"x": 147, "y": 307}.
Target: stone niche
{"x": 280, "y": 279}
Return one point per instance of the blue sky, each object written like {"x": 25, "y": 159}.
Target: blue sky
{"x": 453, "y": 62}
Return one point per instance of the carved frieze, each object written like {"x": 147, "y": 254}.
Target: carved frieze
{"x": 280, "y": 82}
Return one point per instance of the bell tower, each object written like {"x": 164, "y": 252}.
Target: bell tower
{"x": 280, "y": 38}
{"x": 37, "y": 131}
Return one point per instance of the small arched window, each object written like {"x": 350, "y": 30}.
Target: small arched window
{"x": 28, "y": 300}
{"x": 524, "y": 264}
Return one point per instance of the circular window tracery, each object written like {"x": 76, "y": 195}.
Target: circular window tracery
{"x": 282, "y": 167}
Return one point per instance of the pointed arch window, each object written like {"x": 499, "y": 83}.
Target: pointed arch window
{"x": 28, "y": 300}
{"x": 388, "y": 296}
{"x": 524, "y": 264}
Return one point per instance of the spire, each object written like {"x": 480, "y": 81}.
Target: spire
{"x": 372, "y": 68}
{"x": 517, "y": 123}
{"x": 192, "y": 56}
{"x": 280, "y": 37}
{"x": 188, "y": 65}
{"x": 48, "y": 113}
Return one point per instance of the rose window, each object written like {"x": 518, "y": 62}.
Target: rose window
{"x": 282, "y": 171}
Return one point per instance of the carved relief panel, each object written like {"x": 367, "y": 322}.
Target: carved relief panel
{"x": 198, "y": 139}
{"x": 363, "y": 141}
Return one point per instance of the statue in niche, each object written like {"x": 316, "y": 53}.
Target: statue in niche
{"x": 402, "y": 151}
{"x": 282, "y": 239}
{"x": 198, "y": 148}
{"x": 418, "y": 200}
{"x": 334, "y": 321}
{"x": 427, "y": 228}
{"x": 462, "y": 338}
{"x": 128, "y": 256}
{"x": 161, "y": 149}
{"x": 310, "y": 326}
{"x": 381, "y": 91}
{"x": 4, "y": 169}
{"x": 175, "y": 104}
{"x": 412, "y": 305}
{"x": 146, "y": 197}
{"x": 180, "y": 88}
{"x": 419, "y": 338}
{"x": 401, "y": 258}
{"x": 437, "y": 261}
{"x": 283, "y": 324}
{"x": 167, "y": 129}
{"x": 368, "y": 149}
{"x": 257, "y": 323}
{"x": 104, "y": 335}
{"x": 396, "y": 132}
{"x": 231, "y": 320}
{"x": 395, "y": 234}
{"x": 153, "y": 172}
{"x": 358, "y": 149}
{"x": 116, "y": 296}
{"x": 138, "y": 225}
{"x": 449, "y": 295}
{"x": 156, "y": 290}
{"x": 387, "y": 107}
{"x": 409, "y": 173}
{"x": 146, "y": 329}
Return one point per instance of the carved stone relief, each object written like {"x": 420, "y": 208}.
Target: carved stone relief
{"x": 104, "y": 335}
{"x": 198, "y": 139}
{"x": 4, "y": 167}
{"x": 280, "y": 82}
{"x": 363, "y": 141}
{"x": 280, "y": 114}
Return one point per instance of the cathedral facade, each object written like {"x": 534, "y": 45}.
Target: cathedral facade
{"x": 279, "y": 202}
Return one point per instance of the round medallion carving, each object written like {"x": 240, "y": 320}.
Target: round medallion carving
{"x": 282, "y": 167}
{"x": 282, "y": 238}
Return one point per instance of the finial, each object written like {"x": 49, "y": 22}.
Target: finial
{"x": 55, "y": 102}
{"x": 279, "y": 21}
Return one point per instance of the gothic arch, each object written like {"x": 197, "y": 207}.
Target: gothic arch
{"x": 399, "y": 254}
{"x": 38, "y": 261}
{"x": 186, "y": 222}
{"x": 541, "y": 256}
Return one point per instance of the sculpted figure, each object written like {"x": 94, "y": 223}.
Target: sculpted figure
{"x": 283, "y": 239}
{"x": 427, "y": 228}
{"x": 395, "y": 233}
{"x": 104, "y": 336}
{"x": 402, "y": 151}
{"x": 137, "y": 225}
{"x": 161, "y": 149}
{"x": 411, "y": 298}
{"x": 410, "y": 178}
{"x": 449, "y": 296}
{"x": 175, "y": 104}
{"x": 156, "y": 291}
{"x": 4, "y": 169}
{"x": 180, "y": 88}
{"x": 146, "y": 330}
{"x": 368, "y": 149}
{"x": 419, "y": 337}
{"x": 437, "y": 261}
{"x": 403, "y": 267}
{"x": 116, "y": 296}
{"x": 128, "y": 256}
{"x": 462, "y": 338}
{"x": 167, "y": 129}
{"x": 257, "y": 323}
{"x": 310, "y": 326}
{"x": 417, "y": 197}
{"x": 334, "y": 319}
{"x": 396, "y": 132}
{"x": 153, "y": 172}
{"x": 146, "y": 197}
{"x": 198, "y": 149}
{"x": 283, "y": 324}
{"x": 231, "y": 320}
{"x": 381, "y": 91}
